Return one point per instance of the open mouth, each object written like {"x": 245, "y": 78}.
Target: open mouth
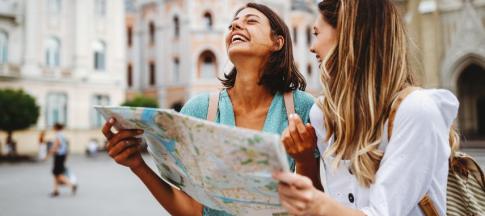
{"x": 238, "y": 38}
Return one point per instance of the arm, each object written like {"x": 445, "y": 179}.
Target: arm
{"x": 54, "y": 147}
{"x": 300, "y": 142}
{"x": 124, "y": 148}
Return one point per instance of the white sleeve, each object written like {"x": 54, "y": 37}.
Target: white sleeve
{"x": 419, "y": 141}
{"x": 316, "y": 119}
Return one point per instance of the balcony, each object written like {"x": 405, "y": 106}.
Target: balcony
{"x": 9, "y": 71}
{"x": 9, "y": 8}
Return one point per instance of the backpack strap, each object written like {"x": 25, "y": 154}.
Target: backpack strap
{"x": 213, "y": 106}
{"x": 426, "y": 204}
{"x": 289, "y": 103}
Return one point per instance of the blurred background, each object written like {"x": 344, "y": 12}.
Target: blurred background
{"x": 59, "y": 58}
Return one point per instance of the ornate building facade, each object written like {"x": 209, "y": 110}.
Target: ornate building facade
{"x": 69, "y": 55}
{"x": 176, "y": 48}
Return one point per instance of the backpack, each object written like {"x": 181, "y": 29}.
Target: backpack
{"x": 465, "y": 194}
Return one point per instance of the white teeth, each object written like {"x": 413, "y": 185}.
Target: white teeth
{"x": 237, "y": 37}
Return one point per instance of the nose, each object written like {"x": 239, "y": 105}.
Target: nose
{"x": 236, "y": 24}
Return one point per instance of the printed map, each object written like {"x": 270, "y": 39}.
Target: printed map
{"x": 222, "y": 167}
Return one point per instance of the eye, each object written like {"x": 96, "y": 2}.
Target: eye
{"x": 252, "y": 21}
{"x": 230, "y": 27}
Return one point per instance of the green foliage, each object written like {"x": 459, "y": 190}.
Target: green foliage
{"x": 18, "y": 110}
{"x": 141, "y": 101}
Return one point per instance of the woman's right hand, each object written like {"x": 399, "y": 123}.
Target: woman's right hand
{"x": 124, "y": 147}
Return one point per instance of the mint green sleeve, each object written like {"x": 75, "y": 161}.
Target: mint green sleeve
{"x": 197, "y": 106}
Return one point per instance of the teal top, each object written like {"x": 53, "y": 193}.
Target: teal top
{"x": 276, "y": 119}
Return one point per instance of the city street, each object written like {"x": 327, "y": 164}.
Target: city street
{"x": 104, "y": 189}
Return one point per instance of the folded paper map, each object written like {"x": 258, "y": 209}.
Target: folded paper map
{"x": 222, "y": 167}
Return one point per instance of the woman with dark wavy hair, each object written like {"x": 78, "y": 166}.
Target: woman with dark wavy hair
{"x": 259, "y": 45}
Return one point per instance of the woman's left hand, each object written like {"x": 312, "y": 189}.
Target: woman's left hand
{"x": 298, "y": 195}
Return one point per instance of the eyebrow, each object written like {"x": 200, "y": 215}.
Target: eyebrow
{"x": 247, "y": 15}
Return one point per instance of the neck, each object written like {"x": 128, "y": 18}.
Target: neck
{"x": 247, "y": 93}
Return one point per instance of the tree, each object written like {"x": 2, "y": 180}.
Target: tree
{"x": 141, "y": 101}
{"x": 18, "y": 111}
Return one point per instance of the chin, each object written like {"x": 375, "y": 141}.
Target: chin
{"x": 239, "y": 50}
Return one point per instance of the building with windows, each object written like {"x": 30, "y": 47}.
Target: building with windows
{"x": 175, "y": 49}
{"x": 68, "y": 54}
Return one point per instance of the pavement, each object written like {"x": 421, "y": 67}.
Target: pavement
{"x": 105, "y": 188}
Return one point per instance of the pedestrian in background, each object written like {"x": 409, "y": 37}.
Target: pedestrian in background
{"x": 60, "y": 151}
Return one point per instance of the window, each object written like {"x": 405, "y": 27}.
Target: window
{"x": 56, "y": 108}
{"x": 295, "y": 35}
{"x": 129, "y": 35}
{"x": 151, "y": 29}
{"x": 208, "y": 20}
{"x": 176, "y": 24}
{"x": 100, "y": 8}
{"x": 52, "y": 53}
{"x": 129, "y": 77}
{"x": 54, "y": 6}
{"x": 308, "y": 36}
{"x": 176, "y": 70}
{"x": 99, "y": 55}
{"x": 309, "y": 70}
{"x": 3, "y": 47}
{"x": 152, "y": 71}
{"x": 207, "y": 65}
{"x": 97, "y": 119}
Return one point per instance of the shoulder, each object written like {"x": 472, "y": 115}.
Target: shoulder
{"x": 303, "y": 101}
{"x": 428, "y": 106}
{"x": 197, "y": 106}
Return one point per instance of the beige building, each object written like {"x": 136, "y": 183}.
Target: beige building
{"x": 69, "y": 55}
{"x": 176, "y": 48}
{"x": 450, "y": 37}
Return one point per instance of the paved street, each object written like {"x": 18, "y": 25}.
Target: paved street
{"x": 105, "y": 189}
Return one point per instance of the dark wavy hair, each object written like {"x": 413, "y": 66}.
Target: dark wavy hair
{"x": 280, "y": 73}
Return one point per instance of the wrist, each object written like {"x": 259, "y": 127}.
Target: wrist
{"x": 139, "y": 167}
{"x": 321, "y": 203}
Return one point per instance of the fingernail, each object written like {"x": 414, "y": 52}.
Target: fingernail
{"x": 111, "y": 120}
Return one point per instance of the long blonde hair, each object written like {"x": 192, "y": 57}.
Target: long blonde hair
{"x": 361, "y": 77}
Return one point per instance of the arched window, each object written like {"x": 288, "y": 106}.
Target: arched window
{"x": 176, "y": 26}
{"x": 151, "y": 31}
{"x": 52, "y": 53}
{"x": 309, "y": 70}
{"x": 309, "y": 36}
{"x": 207, "y": 65}
{"x": 129, "y": 76}
{"x": 99, "y": 48}
{"x": 152, "y": 76}
{"x": 56, "y": 109}
{"x": 54, "y": 6}
{"x": 100, "y": 8}
{"x": 208, "y": 22}
{"x": 176, "y": 70}
{"x": 129, "y": 35}
{"x": 3, "y": 47}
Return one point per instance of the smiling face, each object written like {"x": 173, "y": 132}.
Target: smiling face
{"x": 250, "y": 35}
{"x": 325, "y": 38}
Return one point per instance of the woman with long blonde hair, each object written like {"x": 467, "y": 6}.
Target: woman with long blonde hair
{"x": 363, "y": 50}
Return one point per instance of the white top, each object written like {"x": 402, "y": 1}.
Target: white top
{"x": 415, "y": 160}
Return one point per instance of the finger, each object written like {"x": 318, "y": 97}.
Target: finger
{"x": 107, "y": 128}
{"x": 293, "y": 130}
{"x": 299, "y": 181}
{"x": 127, "y": 153}
{"x": 288, "y": 141}
{"x": 123, "y": 145}
{"x": 311, "y": 131}
{"x": 124, "y": 134}
{"x": 292, "y": 210}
